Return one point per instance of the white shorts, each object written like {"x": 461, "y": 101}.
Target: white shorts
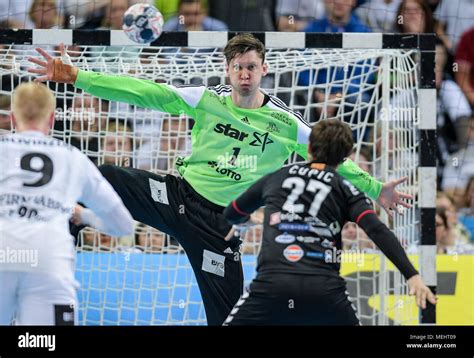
{"x": 37, "y": 298}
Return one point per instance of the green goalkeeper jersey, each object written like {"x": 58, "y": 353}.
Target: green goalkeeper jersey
{"x": 232, "y": 147}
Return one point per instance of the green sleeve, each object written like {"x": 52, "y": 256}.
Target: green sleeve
{"x": 360, "y": 179}
{"x": 352, "y": 172}
{"x": 302, "y": 149}
{"x": 138, "y": 92}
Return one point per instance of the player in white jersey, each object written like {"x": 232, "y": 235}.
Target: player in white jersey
{"x": 41, "y": 181}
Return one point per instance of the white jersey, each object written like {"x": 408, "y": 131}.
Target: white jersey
{"x": 41, "y": 180}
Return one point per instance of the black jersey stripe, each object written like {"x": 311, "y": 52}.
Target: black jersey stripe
{"x": 187, "y": 85}
{"x": 277, "y": 101}
{"x": 286, "y": 109}
{"x": 220, "y": 89}
{"x": 221, "y": 93}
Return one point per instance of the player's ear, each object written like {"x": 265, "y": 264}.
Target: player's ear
{"x": 12, "y": 116}
{"x": 51, "y": 120}
{"x": 265, "y": 69}
{"x": 226, "y": 69}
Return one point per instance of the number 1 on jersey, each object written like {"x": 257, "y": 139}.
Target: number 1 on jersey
{"x": 234, "y": 156}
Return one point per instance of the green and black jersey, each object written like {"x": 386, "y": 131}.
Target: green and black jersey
{"x": 232, "y": 147}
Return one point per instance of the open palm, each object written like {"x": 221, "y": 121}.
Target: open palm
{"x": 49, "y": 66}
{"x": 390, "y": 198}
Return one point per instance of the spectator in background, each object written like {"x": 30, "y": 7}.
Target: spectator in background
{"x": 192, "y": 16}
{"x": 363, "y": 159}
{"x": 116, "y": 147}
{"x": 252, "y": 241}
{"x": 84, "y": 14}
{"x": 460, "y": 165}
{"x": 117, "y": 144}
{"x": 295, "y": 17}
{"x": 443, "y": 241}
{"x": 5, "y": 118}
{"x": 96, "y": 241}
{"x": 467, "y": 206}
{"x": 8, "y": 79}
{"x": 405, "y": 158}
{"x": 78, "y": 12}
{"x": 10, "y": 24}
{"x": 16, "y": 11}
{"x": 446, "y": 241}
{"x": 354, "y": 238}
{"x": 339, "y": 18}
{"x": 456, "y": 16}
{"x": 149, "y": 239}
{"x": 379, "y": 15}
{"x": 433, "y": 4}
{"x": 457, "y": 231}
{"x": 466, "y": 212}
{"x": 88, "y": 113}
{"x": 465, "y": 61}
{"x": 244, "y": 15}
{"x": 112, "y": 20}
{"x": 174, "y": 142}
{"x": 91, "y": 15}
{"x": 114, "y": 11}
{"x": 45, "y": 15}
{"x": 329, "y": 81}
{"x": 85, "y": 121}
{"x": 160, "y": 150}
{"x": 414, "y": 16}
{"x": 452, "y": 108}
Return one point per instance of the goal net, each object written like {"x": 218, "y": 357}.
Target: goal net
{"x": 146, "y": 279}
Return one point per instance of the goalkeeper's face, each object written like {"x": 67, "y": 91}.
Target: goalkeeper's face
{"x": 245, "y": 72}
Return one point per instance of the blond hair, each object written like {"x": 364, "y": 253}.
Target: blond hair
{"x": 32, "y": 102}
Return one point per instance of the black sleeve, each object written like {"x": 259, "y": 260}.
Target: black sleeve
{"x": 387, "y": 242}
{"x": 357, "y": 202}
{"x": 360, "y": 211}
{"x": 239, "y": 210}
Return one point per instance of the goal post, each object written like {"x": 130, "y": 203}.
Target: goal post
{"x": 382, "y": 85}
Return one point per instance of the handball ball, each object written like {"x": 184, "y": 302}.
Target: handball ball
{"x": 142, "y": 23}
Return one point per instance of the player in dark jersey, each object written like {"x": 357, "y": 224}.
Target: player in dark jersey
{"x": 298, "y": 280}
{"x": 230, "y": 123}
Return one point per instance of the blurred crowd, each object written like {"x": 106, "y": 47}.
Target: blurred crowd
{"x": 452, "y": 21}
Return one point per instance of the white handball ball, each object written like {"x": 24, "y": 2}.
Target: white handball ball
{"x": 142, "y": 23}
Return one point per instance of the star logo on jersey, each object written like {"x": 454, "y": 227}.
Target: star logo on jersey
{"x": 261, "y": 140}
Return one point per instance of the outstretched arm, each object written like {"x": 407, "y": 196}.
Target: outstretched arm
{"x": 142, "y": 93}
{"x": 389, "y": 245}
{"x": 386, "y": 194}
{"x": 361, "y": 212}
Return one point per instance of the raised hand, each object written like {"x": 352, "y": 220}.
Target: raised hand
{"x": 256, "y": 218}
{"x": 53, "y": 69}
{"x": 390, "y": 198}
{"x": 421, "y": 292}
